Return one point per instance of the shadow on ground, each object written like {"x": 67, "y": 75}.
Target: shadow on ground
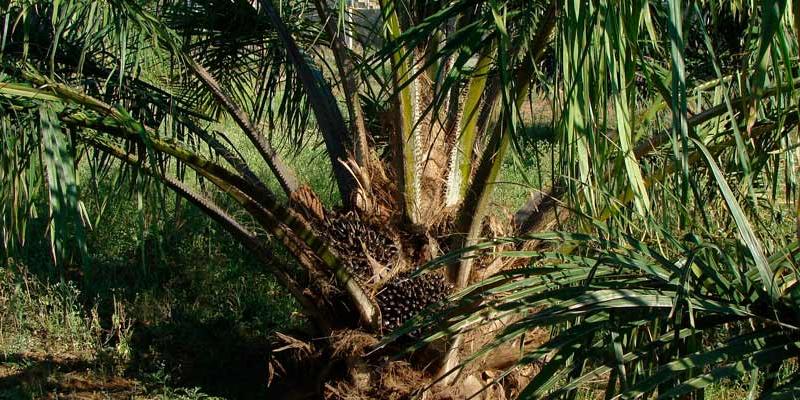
{"x": 30, "y": 375}
{"x": 212, "y": 358}
{"x": 221, "y": 359}
{"x": 197, "y": 314}
{"x": 215, "y": 356}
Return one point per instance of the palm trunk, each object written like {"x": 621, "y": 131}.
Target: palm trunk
{"x": 329, "y": 118}
{"x": 286, "y": 177}
{"x": 405, "y": 139}
{"x": 471, "y": 214}
{"x": 462, "y": 152}
{"x": 350, "y": 84}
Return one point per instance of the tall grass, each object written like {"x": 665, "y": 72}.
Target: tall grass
{"x": 36, "y": 317}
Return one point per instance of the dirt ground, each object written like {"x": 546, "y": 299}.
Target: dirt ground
{"x": 62, "y": 377}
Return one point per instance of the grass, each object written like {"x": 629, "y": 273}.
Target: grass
{"x": 140, "y": 328}
{"x": 53, "y": 347}
{"x": 43, "y": 317}
{"x": 528, "y": 168}
{"x": 157, "y": 287}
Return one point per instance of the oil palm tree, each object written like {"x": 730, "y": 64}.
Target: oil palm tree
{"x": 140, "y": 83}
{"x": 416, "y": 124}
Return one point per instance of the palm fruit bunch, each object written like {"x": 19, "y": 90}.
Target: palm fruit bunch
{"x": 354, "y": 238}
{"x": 403, "y": 297}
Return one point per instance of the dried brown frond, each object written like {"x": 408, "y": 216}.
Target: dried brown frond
{"x": 348, "y": 343}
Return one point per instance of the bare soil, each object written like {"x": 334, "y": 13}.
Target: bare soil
{"x": 61, "y": 377}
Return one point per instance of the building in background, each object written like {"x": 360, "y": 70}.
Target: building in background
{"x": 363, "y": 22}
